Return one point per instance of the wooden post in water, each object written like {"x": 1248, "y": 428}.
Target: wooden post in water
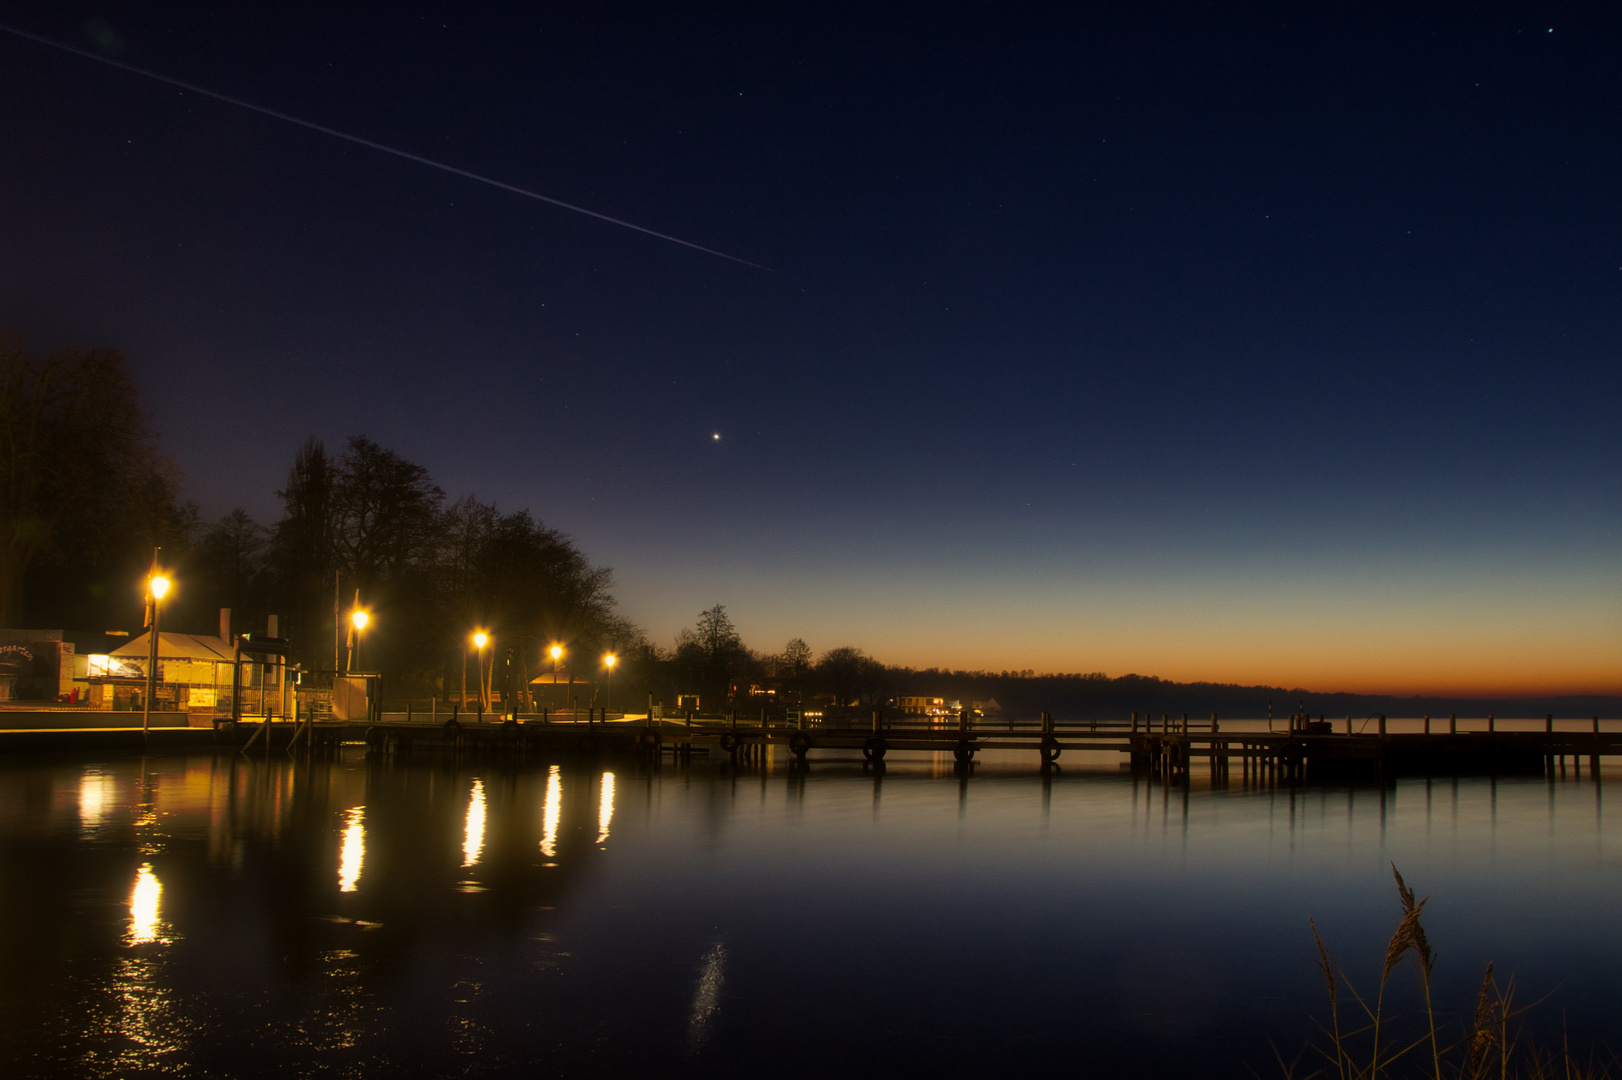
{"x": 1134, "y": 723}
{"x": 1490, "y": 722}
{"x": 1596, "y": 725}
{"x": 1348, "y": 725}
{"x": 1452, "y": 723}
{"x": 1382, "y": 724}
{"x": 1185, "y": 723}
{"x": 1548, "y": 723}
{"x": 1427, "y": 723}
{"x": 1214, "y": 729}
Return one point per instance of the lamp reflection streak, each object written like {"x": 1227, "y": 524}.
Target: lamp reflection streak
{"x": 353, "y": 852}
{"x": 549, "y": 818}
{"x": 94, "y": 791}
{"x": 473, "y": 837}
{"x": 605, "y": 808}
{"x": 144, "y": 906}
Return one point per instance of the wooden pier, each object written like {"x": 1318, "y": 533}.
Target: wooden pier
{"x": 1302, "y": 750}
{"x": 1294, "y": 750}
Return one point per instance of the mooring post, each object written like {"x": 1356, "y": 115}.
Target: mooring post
{"x": 1214, "y": 728}
{"x": 1490, "y": 722}
{"x": 456, "y": 709}
{"x": 1134, "y": 723}
{"x": 1548, "y": 723}
{"x": 1427, "y": 723}
{"x": 1382, "y": 724}
{"x": 1596, "y": 725}
{"x": 1185, "y": 723}
{"x": 1348, "y": 725}
{"x": 1165, "y": 724}
{"x": 1452, "y": 723}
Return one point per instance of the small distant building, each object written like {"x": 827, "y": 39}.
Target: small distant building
{"x": 912, "y": 705}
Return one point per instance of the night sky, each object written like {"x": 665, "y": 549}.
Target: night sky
{"x": 1266, "y": 347}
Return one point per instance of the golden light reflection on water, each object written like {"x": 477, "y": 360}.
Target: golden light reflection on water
{"x": 144, "y": 906}
{"x": 549, "y": 814}
{"x": 353, "y": 852}
{"x": 95, "y": 792}
{"x": 473, "y": 836}
{"x": 605, "y": 808}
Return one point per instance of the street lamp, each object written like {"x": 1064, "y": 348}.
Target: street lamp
{"x": 609, "y": 660}
{"x": 557, "y": 654}
{"x": 157, "y": 587}
{"x": 480, "y": 640}
{"x": 357, "y": 623}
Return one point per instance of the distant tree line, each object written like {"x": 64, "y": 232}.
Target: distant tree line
{"x": 86, "y": 493}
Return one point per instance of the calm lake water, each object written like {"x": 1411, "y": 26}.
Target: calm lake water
{"x": 227, "y": 916}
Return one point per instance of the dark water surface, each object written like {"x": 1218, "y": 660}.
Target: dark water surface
{"x": 227, "y": 916}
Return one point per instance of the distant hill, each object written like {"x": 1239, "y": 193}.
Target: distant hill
{"x": 1097, "y": 696}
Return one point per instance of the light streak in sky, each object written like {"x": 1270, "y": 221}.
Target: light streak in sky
{"x": 144, "y": 906}
{"x": 473, "y": 837}
{"x": 353, "y": 852}
{"x": 356, "y": 139}
{"x": 549, "y": 820}
{"x": 605, "y": 809}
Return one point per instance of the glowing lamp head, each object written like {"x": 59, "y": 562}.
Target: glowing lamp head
{"x": 481, "y": 639}
{"x": 556, "y": 651}
{"x": 610, "y": 660}
{"x": 360, "y": 619}
{"x": 159, "y": 586}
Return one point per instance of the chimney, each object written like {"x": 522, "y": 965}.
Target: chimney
{"x": 272, "y": 625}
{"x": 225, "y": 624}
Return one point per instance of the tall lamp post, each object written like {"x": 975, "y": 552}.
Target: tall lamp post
{"x": 157, "y": 586}
{"x": 609, "y": 660}
{"x": 480, "y": 640}
{"x": 357, "y": 623}
{"x": 557, "y": 654}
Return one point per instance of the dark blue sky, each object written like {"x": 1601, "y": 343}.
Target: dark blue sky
{"x": 1279, "y": 345}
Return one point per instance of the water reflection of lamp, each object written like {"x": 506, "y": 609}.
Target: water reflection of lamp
{"x": 473, "y": 836}
{"x": 605, "y": 808}
{"x": 353, "y": 852}
{"x": 549, "y": 818}
{"x": 92, "y": 798}
{"x": 144, "y": 906}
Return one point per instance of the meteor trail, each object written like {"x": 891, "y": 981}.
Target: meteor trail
{"x": 430, "y": 162}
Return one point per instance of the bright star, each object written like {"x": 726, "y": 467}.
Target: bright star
{"x": 716, "y": 436}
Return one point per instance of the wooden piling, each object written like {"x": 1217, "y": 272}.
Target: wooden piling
{"x": 1452, "y": 723}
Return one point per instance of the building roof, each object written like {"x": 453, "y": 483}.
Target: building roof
{"x": 179, "y": 647}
